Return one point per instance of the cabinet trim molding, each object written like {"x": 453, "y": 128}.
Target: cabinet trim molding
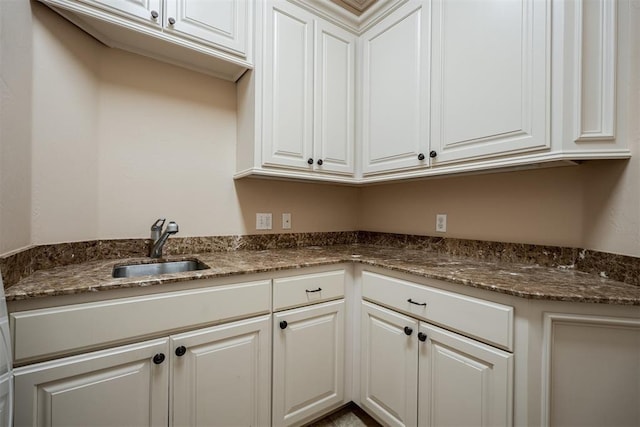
{"x": 602, "y": 82}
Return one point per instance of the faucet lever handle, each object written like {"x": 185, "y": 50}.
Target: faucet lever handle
{"x": 158, "y": 224}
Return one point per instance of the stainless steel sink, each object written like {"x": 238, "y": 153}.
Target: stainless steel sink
{"x": 165, "y": 267}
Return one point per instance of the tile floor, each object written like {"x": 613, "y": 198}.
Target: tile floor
{"x": 349, "y": 416}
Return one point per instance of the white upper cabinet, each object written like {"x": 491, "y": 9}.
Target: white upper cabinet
{"x": 395, "y": 79}
{"x": 471, "y": 86}
{"x": 489, "y": 87}
{"x": 288, "y": 76}
{"x": 297, "y": 107}
{"x": 220, "y": 23}
{"x": 334, "y": 92}
{"x": 593, "y": 66}
{"x": 143, "y": 10}
{"x": 451, "y": 81}
{"x": 213, "y": 37}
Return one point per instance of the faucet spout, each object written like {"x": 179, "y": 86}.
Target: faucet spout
{"x": 158, "y": 242}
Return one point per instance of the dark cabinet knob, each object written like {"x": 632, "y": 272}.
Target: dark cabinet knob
{"x": 154, "y": 14}
{"x": 408, "y": 330}
{"x": 310, "y": 161}
{"x": 158, "y": 358}
{"x": 422, "y": 337}
{"x": 319, "y": 162}
{"x": 283, "y": 324}
{"x": 180, "y": 351}
{"x": 432, "y": 154}
{"x": 420, "y": 156}
{"x": 172, "y": 21}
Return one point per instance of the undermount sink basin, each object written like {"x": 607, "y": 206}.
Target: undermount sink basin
{"x": 164, "y": 267}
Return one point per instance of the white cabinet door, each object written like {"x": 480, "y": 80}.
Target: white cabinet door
{"x": 490, "y": 83}
{"x": 395, "y": 79}
{"x": 463, "y": 382}
{"x": 221, "y": 375}
{"x": 389, "y": 365}
{"x": 140, "y": 10}
{"x": 308, "y": 362}
{"x": 334, "y": 114}
{"x": 115, "y": 387}
{"x": 220, "y": 23}
{"x": 288, "y": 87}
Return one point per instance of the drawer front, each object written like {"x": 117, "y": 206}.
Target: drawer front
{"x": 307, "y": 289}
{"x": 484, "y": 320}
{"x": 42, "y": 333}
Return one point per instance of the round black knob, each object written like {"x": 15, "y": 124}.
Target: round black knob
{"x": 154, "y": 14}
{"x": 172, "y": 21}
{"x": 283, "y": 324}
{"x": 180, "y": 351}
{"x": 422, "y": 337}
{"x": 408, "y": 330}
{"x": 420, "y": 156}
{"x": 432, "y": 154}
{"x": 320, "y": 162}
{"x": 310, "y": 161}
{"x": 158, "y": 358}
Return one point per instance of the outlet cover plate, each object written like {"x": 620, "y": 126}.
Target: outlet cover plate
{"x": 441, "y": 223}
{"x": 263, "y": 221}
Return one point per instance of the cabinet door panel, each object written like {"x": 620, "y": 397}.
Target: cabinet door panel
{"x": 137, "y": 9}
{"x": 334, "y": 98}
{"x": 490, "y": 88}
{"x": 395, "y": 90}
{"x": 389, "y": 367}
{"x": 96, "y": 389}
{"x": 221, "y": 23}
{"x": 592, "y": 371}
{"x": 462, "y": 381}
{"x": 288, "y": 112}
{"x": 223, "y": 377}
{"x": 308, "y": 362}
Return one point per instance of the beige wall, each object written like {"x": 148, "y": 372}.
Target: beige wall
{"x": 595, "y": 205}
{"x": 65, "y": 153}
{"x": 167, "y": 149}
{"x": 15, "y": 128}
{"x": 541, "y": 206}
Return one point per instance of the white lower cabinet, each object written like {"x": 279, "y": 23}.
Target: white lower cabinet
{"x": 413, "y": 373}
{"x": 462, "y": 382}
{"x": 308, "y": 362}
{"x": 389, "y": 365}
{"x": 125, "y": 385}
{"x": 221, "y": 375}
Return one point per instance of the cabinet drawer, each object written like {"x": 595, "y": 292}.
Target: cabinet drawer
{"x": 307, "y": 289}
{"x": 43, "y": 333}
{"x": 484, "y": 320}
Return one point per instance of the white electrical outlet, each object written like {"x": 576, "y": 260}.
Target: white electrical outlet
{"x": 263, "y": 221}
{"x": 441, "y": 223}
{"x": 286, "y": 221}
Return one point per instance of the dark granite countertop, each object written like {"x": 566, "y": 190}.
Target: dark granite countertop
{"x": 521, "y": 280}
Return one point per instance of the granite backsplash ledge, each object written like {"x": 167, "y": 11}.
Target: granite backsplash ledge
{"x": 622, "y": 268}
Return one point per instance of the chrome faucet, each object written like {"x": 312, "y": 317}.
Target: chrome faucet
{"x": 158, "y": 238}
